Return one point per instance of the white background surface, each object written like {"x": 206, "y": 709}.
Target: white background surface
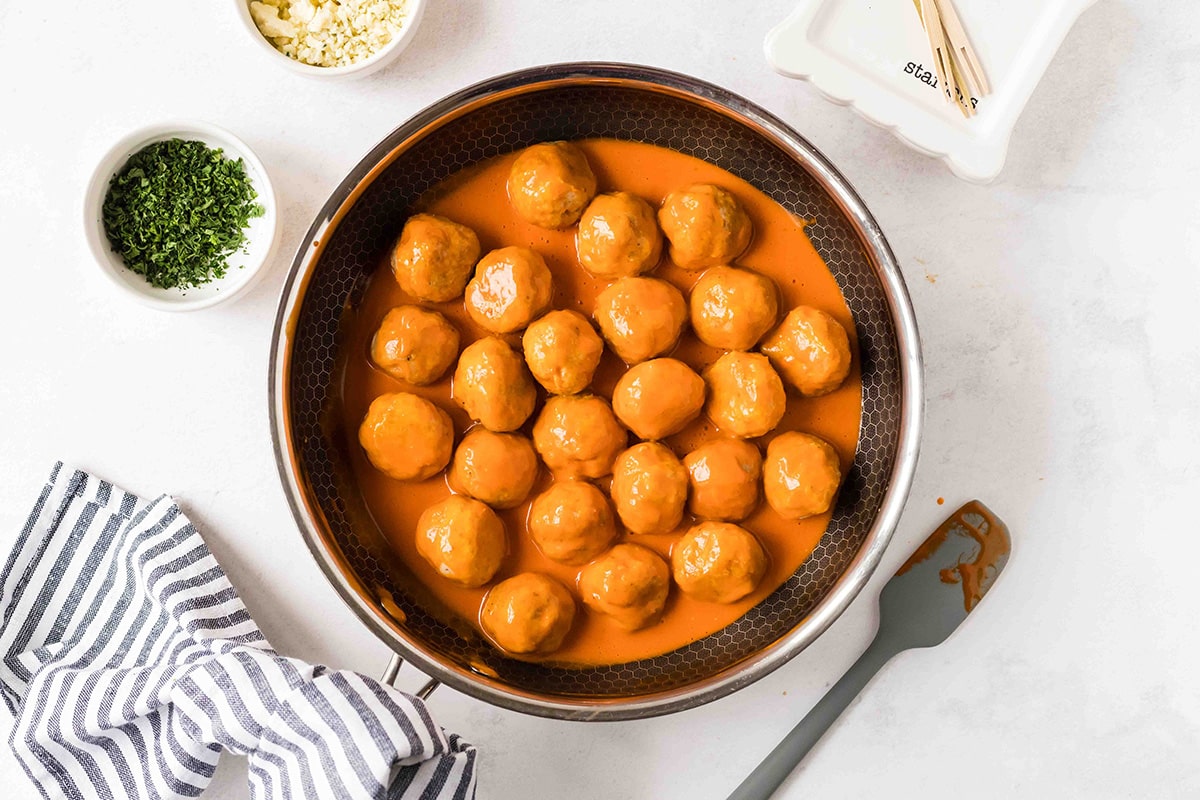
{"x": 1058, "y": 308}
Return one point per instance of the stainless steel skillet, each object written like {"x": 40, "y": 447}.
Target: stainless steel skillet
{"x": 574, "y": 101}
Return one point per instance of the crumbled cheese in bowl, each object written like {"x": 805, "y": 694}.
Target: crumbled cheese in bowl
{"x": 328, "y": 33}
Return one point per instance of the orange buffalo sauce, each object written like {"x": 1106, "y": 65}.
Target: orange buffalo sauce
{"x": 477, "y": 198}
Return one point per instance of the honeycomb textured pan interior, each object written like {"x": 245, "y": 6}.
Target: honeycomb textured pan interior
{"x": 576, "y": 112}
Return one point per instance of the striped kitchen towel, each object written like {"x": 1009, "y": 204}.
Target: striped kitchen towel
{"x": 130, "y": 663}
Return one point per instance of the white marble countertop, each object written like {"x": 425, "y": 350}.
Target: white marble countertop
{"x": 1058, "y": 309}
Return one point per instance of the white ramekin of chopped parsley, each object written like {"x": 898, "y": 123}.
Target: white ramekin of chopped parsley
{"x": 181, "y": 215}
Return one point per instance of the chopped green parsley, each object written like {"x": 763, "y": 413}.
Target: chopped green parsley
{"x": 177, "y": 210}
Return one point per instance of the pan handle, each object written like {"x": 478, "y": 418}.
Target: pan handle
{"x": 393, "y": 670}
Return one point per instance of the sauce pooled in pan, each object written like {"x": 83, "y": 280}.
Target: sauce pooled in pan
{"x": 478, "y": 199}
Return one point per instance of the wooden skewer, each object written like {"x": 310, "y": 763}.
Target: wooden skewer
{"x": 962, "y": 90}
{"x": 959, "y": 72}
{"x": 963, "y": 50}
{"x": 942, "y": 58}
{"x": 962, "y": 47}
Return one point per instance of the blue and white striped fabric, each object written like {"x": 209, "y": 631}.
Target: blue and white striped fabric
{"x": 130, "y": 663}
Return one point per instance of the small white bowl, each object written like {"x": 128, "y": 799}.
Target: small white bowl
{"x": 359, "y": 68}
{"x": 262, "y": 233}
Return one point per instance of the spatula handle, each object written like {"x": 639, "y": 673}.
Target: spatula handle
{"x": 774, "y": 769}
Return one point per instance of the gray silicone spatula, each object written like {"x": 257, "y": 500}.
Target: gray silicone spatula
{"x": 920, "y": 606}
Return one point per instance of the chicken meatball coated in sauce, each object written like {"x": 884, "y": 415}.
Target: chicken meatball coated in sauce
{"x": 492, "y": 384}
{"x": 414, "y": 345}
{"x": 629, "y": 584}
{"x": 649, "y": 488}
{"x": 732, "y": 308}
{"x": 495, "y": 468}
{"x": 657, "y": 398}
{"x": 562, "y": 351}
{"x": 406, "y": 437}
{"x": 811, "y": 350}
{"x": 723, "y": 476}
{"x": 746, "y": 397}
{"x": 571, "y": 522}
{"x": 578, "y": 436}
{"x": 706, "y": 226}
{"x": 618, "y": 237}
{"x": 801, "y": 475}
{"x": 718, "y": 562}
{"x": 511, "y": 287}
{"x": 550, "y": 184}
{"x": 528, "y": 613}
{"x": 434, "y": 257}
{"x": 463, "y": 540}
{"x": 640, "y": 317}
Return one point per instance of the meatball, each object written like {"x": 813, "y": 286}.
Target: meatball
{"x": 629, "y": 583}
{"x": 578, "y": 436}
{"x": 658, "y": 398}
{"x": 640, "y": 317}
{"x": 718, "y": 562}
{"x": 528, "y": 613}
{"x": 746, "y": 397}
{"x": 496, "y": 468}
{"x": 562, "y": 351}
{"x": 492, "y": 384}
{"x": 433, "y": 259}
{"x": 571, "y": 522}
{"x": 511, "y": 287}
{"x": 414, "y": 345}
{"x": 724, "y": 479}
{"x": 649, "y": 488}
{"x": 618, "y": 236}
{"x": 462, "y": 539}
{"x": 705, "y": 225}
{"x": 732, "y": 308}
{"x": 811, "y": 350}
{"x": 801, "y": 475}
{"x": 406, "y": 437}
{"x": 550, "y": 184}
